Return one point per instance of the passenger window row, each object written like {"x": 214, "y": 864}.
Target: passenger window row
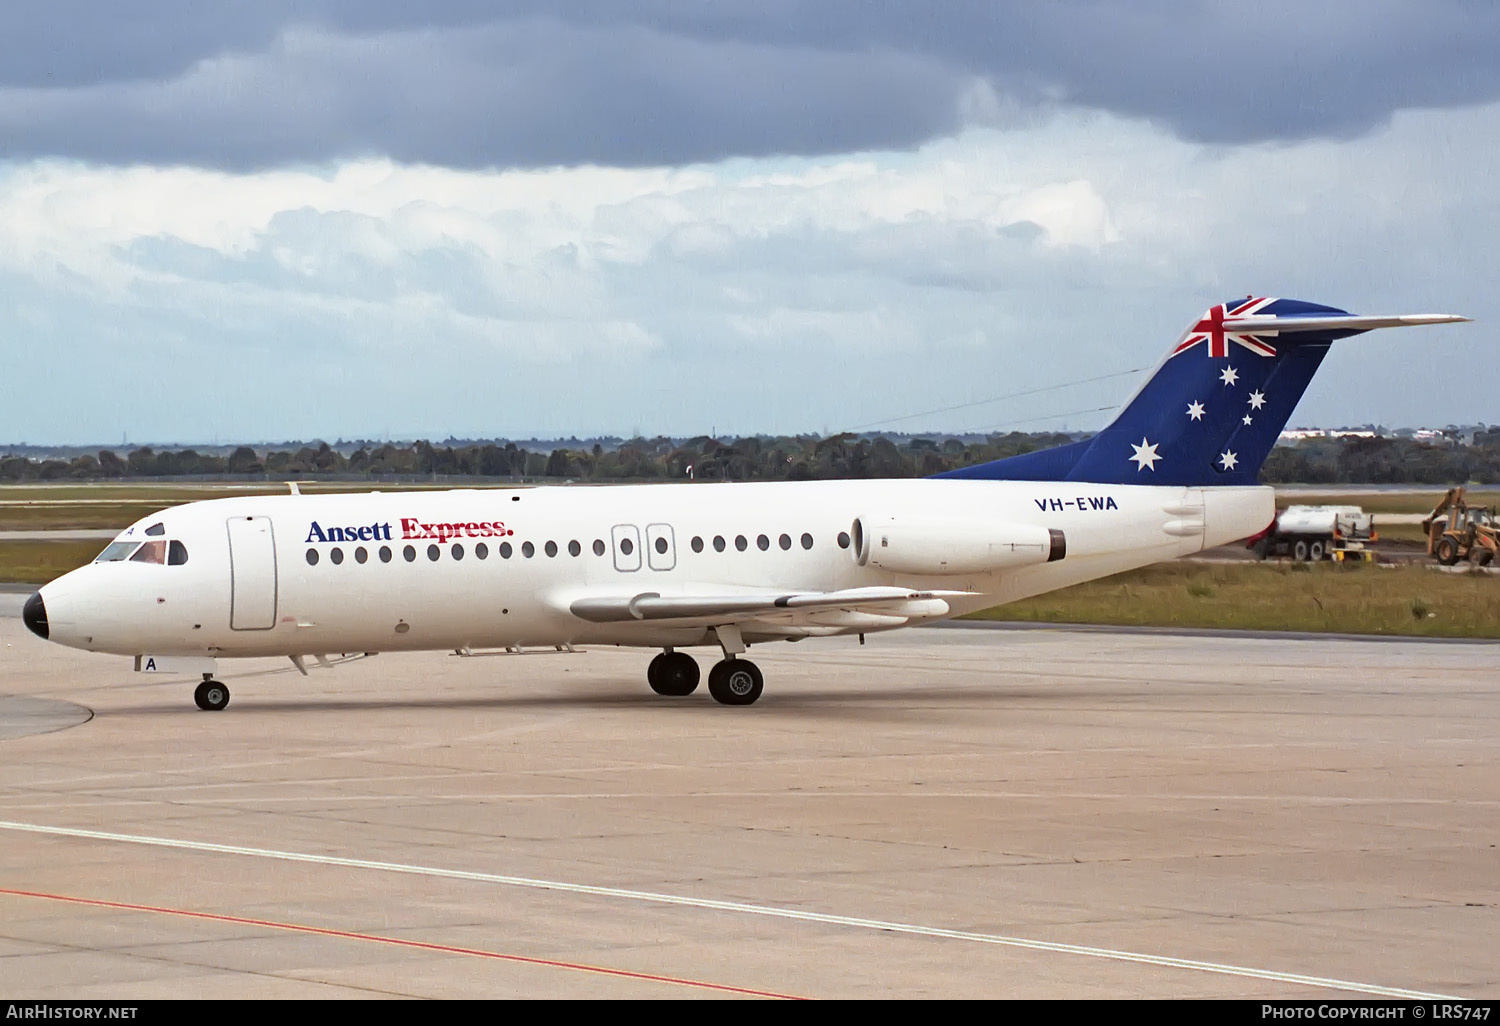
{"x": 481, "y": 551}
{"x": 504, "y": 550}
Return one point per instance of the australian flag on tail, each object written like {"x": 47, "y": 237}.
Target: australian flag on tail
{"x": 1213, "y": 409}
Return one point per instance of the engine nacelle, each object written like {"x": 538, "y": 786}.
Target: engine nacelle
{"x": 906, "y": 545}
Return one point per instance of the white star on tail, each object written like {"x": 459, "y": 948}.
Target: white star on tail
{"x": 1230, "y": 376}
{"x": 1227, "y": 460}
{"x": 1195, "y": 411}
{"x": 1247, "y": 419}
{"x": 1145, "y": 455}
{"x": 1257, "y": 400}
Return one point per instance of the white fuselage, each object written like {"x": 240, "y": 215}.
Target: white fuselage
{"x": 293, "y": 575}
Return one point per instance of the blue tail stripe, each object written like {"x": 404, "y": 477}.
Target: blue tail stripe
{"x": 1043, "y": 465}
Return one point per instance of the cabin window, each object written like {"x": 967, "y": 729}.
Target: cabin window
{"x": 806, "y": 540}
{"x": 409, "y": 553}
{"x": 360, "y": 555}
{"x": 151, "y": 552}
{"x": 843, "y": 539}
{"x": 481, "y": 551}
{"x": 505, "y": 550}
{"x": 458, "y": 551}
{"x": 550, "y": 549}
{"x": 156, "y": 530}
{"x": 176, "y": 553}
{"x": 697, "y": 544}
{"x": 598, "y": 547}
{"x": 312, "y": 557}
{"x": 433, "y": 552}
{"x": 718, "y": 543}
{"x": 528, "y": 550}
{"x": 114, "y": 552}
{"x": 336, "y": 554}
{"x": 740, "y": 542}
{"x": 661, "y": 545}
{"x": 574, "y": 548}
{"x": 785, "y": 542}
{"x": 763, "y": 543}
{"x": 385, "y": 553}
{"x": 627, "y": 546}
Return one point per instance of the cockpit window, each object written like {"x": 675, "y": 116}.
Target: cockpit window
{"x": 156, "y": 530}
{"x": 176, "y": 553}
{"x": 116, "y": 551}
{"x": 151, "y": 552}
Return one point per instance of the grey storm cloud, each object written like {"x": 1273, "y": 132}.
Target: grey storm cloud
{"x": 465, "y": 83}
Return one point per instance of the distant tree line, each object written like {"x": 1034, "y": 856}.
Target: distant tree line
{"x": 1385, "y": 460}
{"x": 1382, "y": 460}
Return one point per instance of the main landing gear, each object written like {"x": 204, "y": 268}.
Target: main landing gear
{"x": 211, "y": 696}
{"x": 673, "y": 673}
{"x": 732, "y": 681}
{"x": 735, "y": 681}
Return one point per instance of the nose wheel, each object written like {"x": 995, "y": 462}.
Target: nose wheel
{"x": 211, "y": 696}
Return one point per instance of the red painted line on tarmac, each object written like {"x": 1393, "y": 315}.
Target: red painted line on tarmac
{"x": 446, "y": 949}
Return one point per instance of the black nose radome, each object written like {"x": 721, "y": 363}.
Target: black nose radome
{"x": 34, "y": 616}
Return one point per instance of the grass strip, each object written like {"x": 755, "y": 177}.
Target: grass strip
{"x": 1354, "y": 598}
{"x": 37, "y": 562}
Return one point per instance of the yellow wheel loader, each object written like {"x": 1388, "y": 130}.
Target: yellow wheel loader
{"x": 1456, "y": 531}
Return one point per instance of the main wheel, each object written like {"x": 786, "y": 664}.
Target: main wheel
{"x": 1299, "y": 551}
{"x": 1261, "y": 548}
{"x": 735, "y": 682}
{"x": 1315, "y": 551}
{"x": 674, "y": 674}
{"x": 1446, "y": 550}
{"x": 211, "y": 696}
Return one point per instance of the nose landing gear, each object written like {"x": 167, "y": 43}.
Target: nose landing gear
{"x": 211, "y": 696}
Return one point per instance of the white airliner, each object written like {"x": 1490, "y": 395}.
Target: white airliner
{"x": 679, "y": 566}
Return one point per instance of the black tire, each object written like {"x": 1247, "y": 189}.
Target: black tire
{"x": 1315, "y": 552}
{"x": 1261, "y": 548}
{"x": 1485, "y": 555}
{"x": 673, "y": 674}
{"x": 1299, "y": 551}
{"x": 1446, "y": 550}
{"x": 211, "y": 696}
{"x": 735, "y": 682}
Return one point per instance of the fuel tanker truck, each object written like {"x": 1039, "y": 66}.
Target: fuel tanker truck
{"x": 1312, "y": 533}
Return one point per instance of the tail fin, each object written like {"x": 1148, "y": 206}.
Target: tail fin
{"x": 1215, "y": 406}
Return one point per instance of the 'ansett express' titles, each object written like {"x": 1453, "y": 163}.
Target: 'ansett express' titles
{"x": 412, "y": 529}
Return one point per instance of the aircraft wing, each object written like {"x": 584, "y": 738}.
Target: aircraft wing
{"x": 881, "y": 604}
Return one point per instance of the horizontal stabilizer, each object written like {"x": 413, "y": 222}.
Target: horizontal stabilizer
{"x": 1342, "y": 322}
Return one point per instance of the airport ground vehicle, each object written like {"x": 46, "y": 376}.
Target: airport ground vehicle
{"x": 1456, "y": 531}
{"x": 1313, "y": 533}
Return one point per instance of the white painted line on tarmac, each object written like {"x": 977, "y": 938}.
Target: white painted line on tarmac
{"x": 742, "y": 908}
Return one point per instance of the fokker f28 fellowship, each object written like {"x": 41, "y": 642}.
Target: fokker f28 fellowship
{"x": 679, "y": 566}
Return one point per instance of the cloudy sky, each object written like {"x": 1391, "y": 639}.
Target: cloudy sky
{"x": 271, "y": 220}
